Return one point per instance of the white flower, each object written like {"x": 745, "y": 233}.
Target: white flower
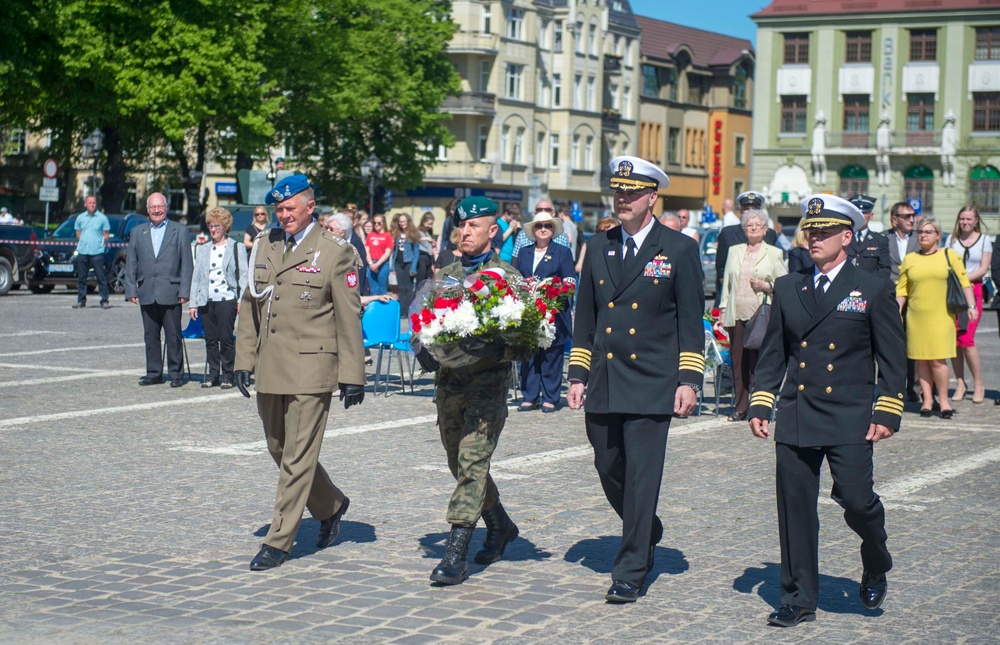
{"x": 463, "y": 321}
{"x": 508, "y": 312}
{"x": 545, "y": 334}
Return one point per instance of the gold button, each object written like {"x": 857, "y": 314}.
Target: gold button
{"x": 635, "y": 305}
{"x": 610, "y": 355}
{"x": 632, "y": 332}
{"x": 832, "y": 346}
{"x": 802, "y": 387}
{"x": 801, "y": 365}
{"x": 608, "y": 330}
{"x": 655, "y": 281}
{"x": 805, "y": 344}
{"x": 611, "y": 305}
{"x": 600, "y": 282}
{"x": 829, "y": 368}
{"x": 829, "y": 389}
{"x": 632, "y": 357}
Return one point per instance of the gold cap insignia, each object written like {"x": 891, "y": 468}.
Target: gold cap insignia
{"x": 625, "y": 168}
{"x": 815, "y": 206}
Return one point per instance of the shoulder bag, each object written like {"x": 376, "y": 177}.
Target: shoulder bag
{"x": 756, "y": 327}
{"x": 955, "y": 299}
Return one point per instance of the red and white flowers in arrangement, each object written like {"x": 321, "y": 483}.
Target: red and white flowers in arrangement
{"x": 489, "y": 306}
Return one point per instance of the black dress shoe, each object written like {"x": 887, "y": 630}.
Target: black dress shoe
{"x": 211, "y": 381}
{"x": 622, "y": 592}
{"x": 947, "y": 414}
{"x": 926, "y": 414}
{"x": 150, "y": 380}
{"x": 790, "y": 615}
{"x": 873, "y": 589}
{"x": 329, "y": 528}
{"x": 176, "y": 382}
{"x": 268, "y": 558}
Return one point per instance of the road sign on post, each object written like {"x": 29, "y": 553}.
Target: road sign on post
{"x": 917, "y": 205}
{"x": 50, "y": 168}
{"x": 48, "y": 194}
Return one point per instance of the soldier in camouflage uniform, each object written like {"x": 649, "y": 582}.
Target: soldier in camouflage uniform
{"x": 472, "y": 408}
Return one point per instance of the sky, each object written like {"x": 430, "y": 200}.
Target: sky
{"x": 706, "y": 14}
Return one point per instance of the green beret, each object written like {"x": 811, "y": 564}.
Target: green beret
{"x": 472, "y": 207}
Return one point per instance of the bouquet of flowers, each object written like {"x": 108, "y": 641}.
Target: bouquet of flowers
{"x": 714, "y": 317}
{"x": 488, "y": 306}
{"x": 716, "y": 339}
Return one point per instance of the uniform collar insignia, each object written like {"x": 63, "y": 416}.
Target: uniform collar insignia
{"x": 855, "y": 294}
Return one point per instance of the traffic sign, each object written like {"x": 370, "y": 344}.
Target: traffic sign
{"x": 48, "y": 194}
{"x": 50, "y": 169}
{"x": 49, "y": 182}
{"x": 917, "y": 205}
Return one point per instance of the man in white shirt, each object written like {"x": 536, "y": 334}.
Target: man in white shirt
{"x": 729, "y": 218}
{"x": 684, "y": 217}
{"x": 6, "y": 217}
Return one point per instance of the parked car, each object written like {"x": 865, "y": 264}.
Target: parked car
{"x": 17, "y": 253}
{"x": 709, "y": 243}
{"x": 54, "y": 259}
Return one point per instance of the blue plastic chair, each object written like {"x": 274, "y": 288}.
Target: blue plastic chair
{"x": 380, "y": 325}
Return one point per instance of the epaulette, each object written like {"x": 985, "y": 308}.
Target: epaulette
{"x": 327, "y": 235}
{"x": 274, "y": 234}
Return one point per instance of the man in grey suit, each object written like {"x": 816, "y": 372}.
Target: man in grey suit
{"x": 903, "y": 241}
{"x": 158, "y": 279}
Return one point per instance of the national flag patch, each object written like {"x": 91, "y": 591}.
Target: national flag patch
{"x": 352, "y": 279}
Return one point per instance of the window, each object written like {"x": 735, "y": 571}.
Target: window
{"x": 859, "y": 47}
{"x": 627, "y": 102}
{"x": 504, "y": 142}
{"x": 853, "y": 181}
{"x": 515, "y": 23}
{"x": 628, "y": 52}
{"x": 588, "y": 153}
{"x": 543, "y": 35}
{"x": 574, "y": 152}
{"x": 553, "y": 150}
{"x": 673, "y": 143}
{"x": 540, "y": 96}
{"x": 918, "y": 183}
{"x": 131, "y": 195}
{"x": 513, "y": 81}
{"x": 442, "y": 153}
{"x": 484, "y": 134}
{"x": 617, "y": 48}
{"x": 14, "y": 142}
{"x": 740, "y": 150}
{"x": 519, "y": 146}
{"x": 557, "y": 90}
{"x": 592, "y": 38}
{"x": 694, "y": 89}
{"x": 613, "y": 92}
{"x": 855, "y": 120}
{"x": 796, "y": 49}
{"x": 591, "y": 93}
{"x": 175, "y": 200}
{"x": 650, "y": 82}
{"x": 485, "y": 67}
{"x": 557, "y": 36}
{"x": 578, "y": 36}
{"x": 923, "y": 45}
{"x": 920, "y": 120}
{"x": 578, "y": 92}
{"x": 540, "y": 149}
{"x": 984, "y": 188}
{"x": 793, "y": 114}
{"x": 740, "y": 88}
{"x": 987, "y": 43}
{"x": 672, "y": 84}
{"x": 986, "y": 111}
{"x": 487, "y": 22}
{"x": 738, "y": 187}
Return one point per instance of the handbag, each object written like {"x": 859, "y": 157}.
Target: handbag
{"x": 393, "y": 281}
{"x": 955, "y": 299}
{"x": 756, "y": 327}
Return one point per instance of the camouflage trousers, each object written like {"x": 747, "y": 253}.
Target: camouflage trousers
{"x": 472, "y": 409}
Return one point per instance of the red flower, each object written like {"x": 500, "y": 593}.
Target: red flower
{"x": 541, "y": 305}
{"x": 426, "y": 316}
{"x": 510, "y": 292}
{"x": 716, "y": 312}
{"x": 564, "y": 289}
{"x": 556, "y": 280}
{"x": 415, "y": 323}
{"x": 502, "y": 285}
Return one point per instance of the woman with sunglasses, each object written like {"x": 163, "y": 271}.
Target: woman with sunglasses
{"x": 542, "y": 375}
{"x": 257, "y": 226}
{"x": 971, "y": 242}
{"x": 923, "y": 288}
{"x": 379, "y": 244}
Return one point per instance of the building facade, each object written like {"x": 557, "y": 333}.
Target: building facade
{"x": 895, "y": 99}
{"x": 695, "y": 112}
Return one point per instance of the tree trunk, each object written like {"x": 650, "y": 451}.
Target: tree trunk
{"x": 114, "y": 187}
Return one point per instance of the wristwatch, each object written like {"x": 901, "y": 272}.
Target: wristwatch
{"x": 693, "y": 386}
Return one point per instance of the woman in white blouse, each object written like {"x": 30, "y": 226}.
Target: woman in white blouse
{"x": 217, "y": 284}
{"x": 970, "y": 241}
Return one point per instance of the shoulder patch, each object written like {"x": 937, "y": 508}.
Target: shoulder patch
{"x": 327, "y": 235}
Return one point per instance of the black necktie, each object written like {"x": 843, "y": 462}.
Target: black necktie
{"x": 629, "y": 251}
{"x": 821, "y": 288}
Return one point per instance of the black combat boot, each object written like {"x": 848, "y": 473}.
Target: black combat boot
{"x": 453, "y": 570}
{"x": 500, "y": 531}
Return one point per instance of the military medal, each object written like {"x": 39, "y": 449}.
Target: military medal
{"x": 303, "y": 269}
{"x": 306, "y": 296}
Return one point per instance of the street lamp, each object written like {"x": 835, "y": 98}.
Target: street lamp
{"x": 92, "y": 149}
{"x": 371, "y": 171}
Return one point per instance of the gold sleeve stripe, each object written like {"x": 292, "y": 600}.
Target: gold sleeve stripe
{"x": 881, "y": 408}
{"x": 762, "y": 398}
{"x": 692, "y": 361}
{"x": 763, "y": 395}
{"x": 580, "y": 356}
{"x": 889, "y": 402}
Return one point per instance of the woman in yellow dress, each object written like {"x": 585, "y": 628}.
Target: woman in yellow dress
{"x": 930, "y": 338}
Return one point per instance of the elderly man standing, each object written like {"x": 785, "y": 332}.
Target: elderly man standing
{"x": 92, "y": 232}
{"x": 301, "y": 333}
{"x": 158, "y": 279}
{"x": 638, "y": 349}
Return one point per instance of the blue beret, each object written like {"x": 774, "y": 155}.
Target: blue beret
{"x": 472, "y": 207}
{"x": 286, "y": 188}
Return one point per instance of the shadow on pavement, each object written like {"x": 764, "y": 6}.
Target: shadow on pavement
{"x": 836, "y": 595}
{"x": 598, "y": 554}
{"x": 305, "y": 540}
{"x": 520, "y": 550}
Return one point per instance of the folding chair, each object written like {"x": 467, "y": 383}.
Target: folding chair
{"x": 380, "y": 325}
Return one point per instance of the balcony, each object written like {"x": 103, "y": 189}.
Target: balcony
{"x": 918, "y": 138}
{"x": 474, "y": 42}
{"x": 460, "y": 171}
{"x": 900, "y": 142}
{"x": 850, "y": 139}
{"x": 475, "y": 103}
{"x": 610, "y": 121}
{"x": 612, "y": 65}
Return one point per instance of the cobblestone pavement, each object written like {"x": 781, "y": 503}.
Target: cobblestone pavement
{"x": 131, "y": 515}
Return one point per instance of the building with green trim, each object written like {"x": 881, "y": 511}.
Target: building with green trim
{"x": 897, "y": 99}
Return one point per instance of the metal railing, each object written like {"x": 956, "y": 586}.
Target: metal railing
{"x": 476, "y": 102}
{"x": 481, "y": 170}
{"x": 474, "y": 41}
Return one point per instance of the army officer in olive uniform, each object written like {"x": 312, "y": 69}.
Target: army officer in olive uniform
{"x": 869, "y": 250}
{"x": 638, "y": 348}
{"x": 300, "y": 331}
{"x": 828, "y": 330}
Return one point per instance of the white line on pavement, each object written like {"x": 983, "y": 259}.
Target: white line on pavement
{"x": 54, "y": 368}
{"x": 30, "y": 333}
{"x": 59, "y": 416}
{"x": 82, "y": 348}
{"x": 540, "y": 458}
{"x": 72, "y": 377}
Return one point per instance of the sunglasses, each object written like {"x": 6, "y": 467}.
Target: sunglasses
{"x": 548, "y": 227}
{"x": 544, "y": 210}
{"x": 905, "y": 216}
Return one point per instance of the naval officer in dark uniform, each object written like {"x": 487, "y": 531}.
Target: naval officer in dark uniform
{"x": 828, "y": 331}
{"x": 869, "y": 250}
{"x": 638, "y": 349}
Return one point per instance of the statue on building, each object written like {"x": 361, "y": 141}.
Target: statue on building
{"x": 948, "y": 145}
{"x": 819, "y": 149}
{"x": 882, "y": 139}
